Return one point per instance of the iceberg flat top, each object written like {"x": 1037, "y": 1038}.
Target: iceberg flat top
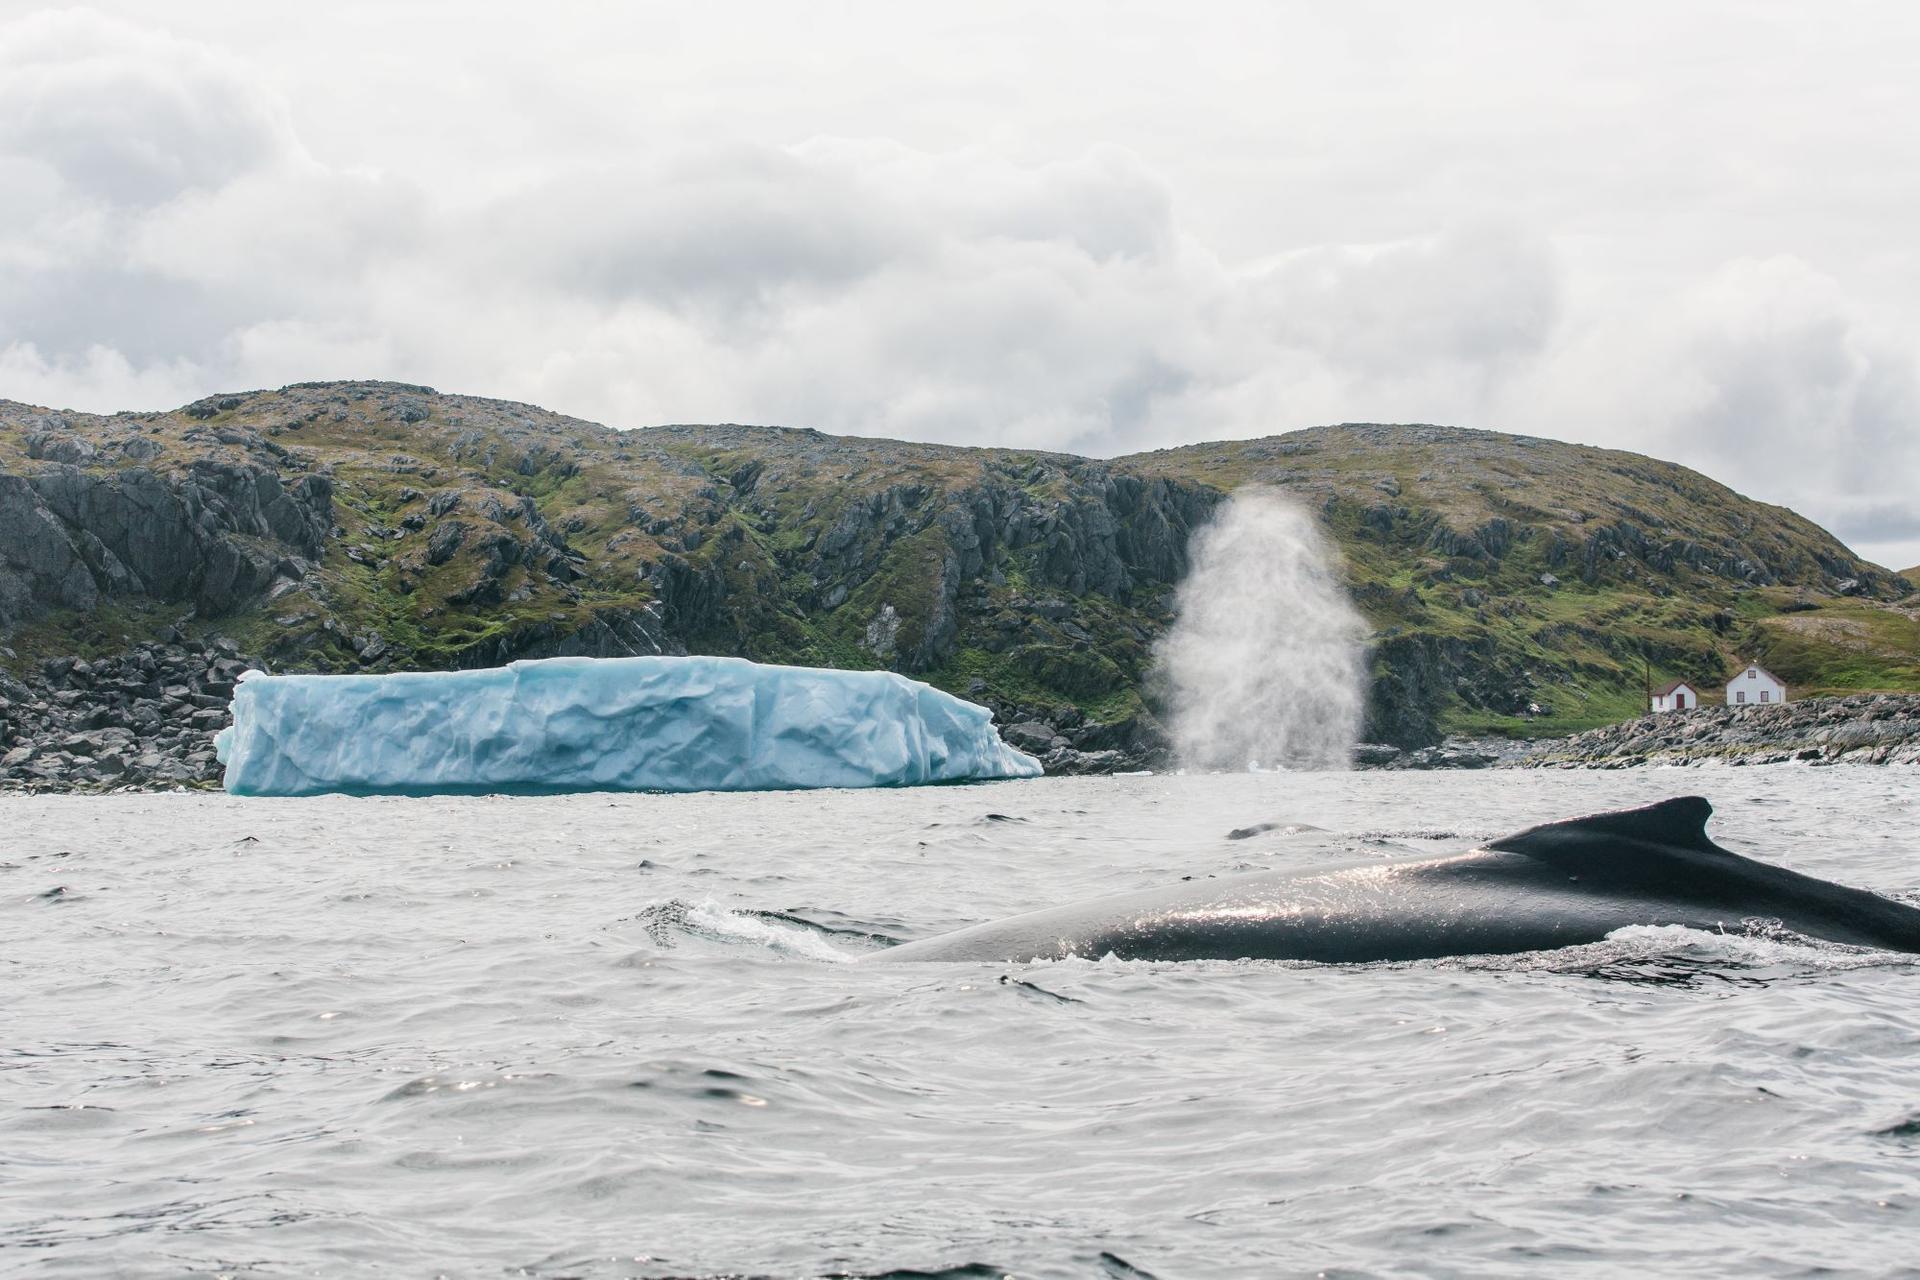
{"x": 605, "y": 724}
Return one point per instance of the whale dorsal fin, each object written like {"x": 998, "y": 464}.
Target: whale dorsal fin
{"x": 1677, "y": 824}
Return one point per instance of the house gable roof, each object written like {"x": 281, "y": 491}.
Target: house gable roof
{"x": 1671, "y": 685}
{"x": 1754, "y": 666}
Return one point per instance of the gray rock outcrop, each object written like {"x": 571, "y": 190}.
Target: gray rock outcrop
{"x": 1877, "y": 728}
{"x": 217, "y": 535}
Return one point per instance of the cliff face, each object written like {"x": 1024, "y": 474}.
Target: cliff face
{"x": 1515, "y": 584}
{"x": 217, "y": 538}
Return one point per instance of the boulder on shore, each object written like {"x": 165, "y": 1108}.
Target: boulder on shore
{"x": 1867, "y": 728}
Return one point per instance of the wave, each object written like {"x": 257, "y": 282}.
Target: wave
{"x": 782, "y": 933}
{"x": 1757, "y": 953}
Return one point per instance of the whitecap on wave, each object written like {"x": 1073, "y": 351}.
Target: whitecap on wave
{"x": 673, "y": 921}
{"x": 1759, "y": 951}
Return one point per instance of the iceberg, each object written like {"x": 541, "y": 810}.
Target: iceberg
{"x": 604, "y": 724}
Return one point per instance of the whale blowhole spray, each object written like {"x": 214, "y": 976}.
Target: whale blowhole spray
{"x": 1264, "y": 665}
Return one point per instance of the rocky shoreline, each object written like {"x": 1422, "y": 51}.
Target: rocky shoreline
{"x": 1872, "y": 728}
{"x": 143, "y": 719}
{"x": 146, "y": 719}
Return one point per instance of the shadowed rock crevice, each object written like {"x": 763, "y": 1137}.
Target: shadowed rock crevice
{"x": 217, "y": 535}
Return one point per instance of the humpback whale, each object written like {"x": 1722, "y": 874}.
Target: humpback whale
{"x": 1556, "y": 885}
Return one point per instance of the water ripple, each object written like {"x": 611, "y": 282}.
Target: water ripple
{"x": 618, "y": 1036}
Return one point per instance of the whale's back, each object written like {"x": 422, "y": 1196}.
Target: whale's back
{"x": 1555, "y": 885}
{"x": 1661, "y": 854}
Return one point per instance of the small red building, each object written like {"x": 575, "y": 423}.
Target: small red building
{"x": 1677, "y": 696}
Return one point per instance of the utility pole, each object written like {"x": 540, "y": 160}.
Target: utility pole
{"x": 1649, "y": 662}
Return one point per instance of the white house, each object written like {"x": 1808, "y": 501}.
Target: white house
{"x": 1755, "y": 685}
{"x": 1678, "y": 696}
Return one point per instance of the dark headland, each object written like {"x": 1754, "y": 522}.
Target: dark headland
{"x": 1517, "y": 587}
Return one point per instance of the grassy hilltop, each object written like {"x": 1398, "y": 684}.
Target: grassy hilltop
{"x": 1515, "y": 584}
{"x": 1564, "y": 570}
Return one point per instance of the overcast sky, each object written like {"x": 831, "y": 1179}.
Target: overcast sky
{"x": 1691, "y": 230}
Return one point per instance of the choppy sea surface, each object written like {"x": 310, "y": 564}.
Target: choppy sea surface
{"x": 607, "y": 1036}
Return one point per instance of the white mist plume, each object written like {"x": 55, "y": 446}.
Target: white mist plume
{"x": 1264, "y": 665}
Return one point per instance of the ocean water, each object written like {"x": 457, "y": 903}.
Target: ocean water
{"x": 602, "y": 1036}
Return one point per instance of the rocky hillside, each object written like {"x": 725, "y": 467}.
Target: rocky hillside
{"x": 1516, "y": 585}
{"x": 1526, "y": 586}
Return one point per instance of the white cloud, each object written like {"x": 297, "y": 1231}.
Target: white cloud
{"x": 30, "y": 376}
{"x": 128, "y": 115}
{"x": 168, "y": 232}
{"x": 1479, "y": 296}
{"x": 713, "y": 233}
{"x": 1768, "y": 377}
{"x": 293, "y": 236}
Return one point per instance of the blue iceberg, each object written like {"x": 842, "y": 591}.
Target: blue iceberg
{"x": 604, "y": 724}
